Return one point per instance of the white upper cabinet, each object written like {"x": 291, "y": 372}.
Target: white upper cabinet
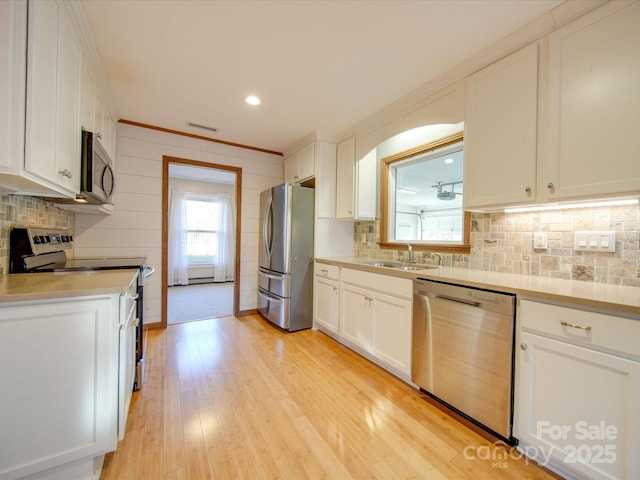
{"x": 570, "y": 135}
{"x": 13, "y": 45}
{"x": 356, "y": 183}
{"x": 325, "y": 184}
{"x": 345, "y": 167}
{"x": 54, "y": 73}
{"x": 95, "y": 114}
{"x": 593, "y": 105}
{"x": 300, "y": 166}
{"x": 48, "y": 93}
{"x": 500, "y": 137}
{"x": 312, "y": 162}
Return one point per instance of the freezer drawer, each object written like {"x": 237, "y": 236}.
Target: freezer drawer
{"x": 274, "y": 282}
{"x": 274, "y": 308}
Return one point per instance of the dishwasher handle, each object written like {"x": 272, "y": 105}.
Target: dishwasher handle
{"x": 471, "y": 303}
{"x": 491, "y": 300}
{"x": 447, "y": 298}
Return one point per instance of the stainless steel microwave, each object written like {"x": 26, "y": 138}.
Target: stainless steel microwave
{"x": 97, "y": 177}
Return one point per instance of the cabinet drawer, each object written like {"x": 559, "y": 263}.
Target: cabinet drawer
{"x": 400, "y": 287}
{"x": 327, "y": 271}
{"x": 582, "y": 327}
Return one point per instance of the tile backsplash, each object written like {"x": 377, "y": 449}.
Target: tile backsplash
{"x": 32, "y": 211}
{"x": 503, "y": 242}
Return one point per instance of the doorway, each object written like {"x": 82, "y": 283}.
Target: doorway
{"x": 197, "y": 295}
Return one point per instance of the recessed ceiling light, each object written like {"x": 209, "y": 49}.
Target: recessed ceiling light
{"x": 252, "y": 100}
{"x": 448, "y": 161}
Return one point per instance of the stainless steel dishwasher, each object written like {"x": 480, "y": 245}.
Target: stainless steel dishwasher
{"x": 463, "y": 351}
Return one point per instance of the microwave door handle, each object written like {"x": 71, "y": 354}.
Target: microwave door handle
{"x": 111, "y": 177}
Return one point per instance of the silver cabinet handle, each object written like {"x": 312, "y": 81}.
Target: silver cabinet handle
{"x": 551, "y": 186}
{"x": 325, "y": 271}
{"x": 528, "y": 190}
{"x": 523, "y": 346}
{"x": 66, "y": 173}
{"x": 581, "y": 327}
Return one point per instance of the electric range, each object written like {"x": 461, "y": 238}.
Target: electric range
{"x": 43, "y": 249}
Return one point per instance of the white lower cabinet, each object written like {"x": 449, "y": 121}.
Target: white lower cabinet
{"x": 356, "y": 313}
{"x": 578, "y": 391}
{"x": 375, "y": 318}
{"x": 326, "y": 298}
{"x": 59, "y": 397}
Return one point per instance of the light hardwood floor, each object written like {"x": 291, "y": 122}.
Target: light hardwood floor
{"x": 238, "y": 399}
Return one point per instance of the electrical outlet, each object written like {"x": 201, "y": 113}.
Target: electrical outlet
{"x": 540, "y": 241}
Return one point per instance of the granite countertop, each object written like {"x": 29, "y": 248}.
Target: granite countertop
{"x": 26, "y": 287}
{"x": 616, "y": 298}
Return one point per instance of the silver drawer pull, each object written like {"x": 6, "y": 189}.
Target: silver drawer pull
{"x": 581, "y": 327}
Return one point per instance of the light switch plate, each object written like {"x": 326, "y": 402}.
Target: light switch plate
{"x": 540, "y": 240}
{"x": 596, "y": 241}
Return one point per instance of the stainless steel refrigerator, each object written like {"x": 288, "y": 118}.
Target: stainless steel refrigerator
{"x": 285, "y": 261}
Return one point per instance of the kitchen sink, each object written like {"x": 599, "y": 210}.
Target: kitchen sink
{"x": 395, "y": 265}
{"x": 379, "y": 263}
{"x": 411, "y": 267}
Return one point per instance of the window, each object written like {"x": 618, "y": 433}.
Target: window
{"x": 203, "y": 218}
{"x": 421, "y": 198}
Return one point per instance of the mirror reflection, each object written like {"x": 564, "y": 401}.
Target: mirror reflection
{"x": 427, "y": 200}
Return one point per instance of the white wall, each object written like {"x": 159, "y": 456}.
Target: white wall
{"x": 135, "y": 228}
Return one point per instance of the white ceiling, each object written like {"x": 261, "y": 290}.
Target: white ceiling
{"x": 316, "y": 64}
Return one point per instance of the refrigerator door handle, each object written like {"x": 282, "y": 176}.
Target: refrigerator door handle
{"x": 270, "y": 298}
{"x": 267, "y": 228}
{"x": 278, "y": 276}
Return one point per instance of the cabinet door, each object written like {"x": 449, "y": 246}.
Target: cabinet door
{"x": 355, "y": 316}
{"x": 326, "y": 304}
{"x": 52, "y": 146}
{"x": 69, "y": 76}
{"x": 326, "y": 179}
{"x": 594, "y": 73}
{"x": 87, "y": 118}
{"x": 291, "y": 168}
{"x": 578, "y": 405}
{"x": 345, "y": 168}
{"x": 392, "y": 331}
{"x": 13, "y": 41}
{"x": 58, "y": 364}
{"x": 365, "y": 187}
{"x": 306, "y": 163}
{"x": 501, "y": 132}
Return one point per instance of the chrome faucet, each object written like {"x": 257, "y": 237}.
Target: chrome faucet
{"x": 412, "y": 258}
{"x": 440, "y": 259}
